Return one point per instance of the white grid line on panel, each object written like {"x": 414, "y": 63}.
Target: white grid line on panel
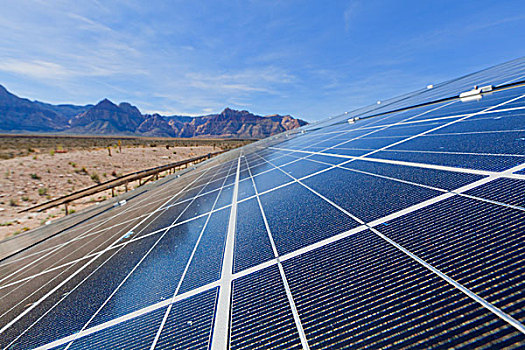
{"x": 221, "y": 326}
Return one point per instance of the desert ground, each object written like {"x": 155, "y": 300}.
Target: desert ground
{"x": 37, "y": 170}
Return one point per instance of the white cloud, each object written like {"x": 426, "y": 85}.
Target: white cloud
{"x": 35, "y": 69}
{"x": 249, "y": 80}
{"x": 88, "y": 24}
{"x": 350, "y": 13}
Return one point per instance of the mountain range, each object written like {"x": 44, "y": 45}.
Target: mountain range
{"x": 20, "y": 115}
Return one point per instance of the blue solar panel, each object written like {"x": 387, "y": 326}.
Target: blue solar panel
{"x": 482, "y": 253}
{"x": 261, "y": 315}
{"x": 363, "y": 293}
{"x": 359, "y": 193}
{"x": 402, "y": 227}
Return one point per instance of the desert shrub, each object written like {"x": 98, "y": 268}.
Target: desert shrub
{"x": 95, "y": 178}
{"x": 35, "y": 176}
{"x": 42, "y": 191}
{"x": 24, "y": 229}
{"x": 82, "y": 171}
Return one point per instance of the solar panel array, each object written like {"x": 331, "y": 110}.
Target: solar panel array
{"x": 404, "y": 229}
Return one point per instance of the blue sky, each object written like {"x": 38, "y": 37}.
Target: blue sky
{"x": 311, "y": 59}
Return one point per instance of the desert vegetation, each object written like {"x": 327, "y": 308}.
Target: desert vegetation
{"x": 36, "y": 169}
{"x": 12, "y": 146}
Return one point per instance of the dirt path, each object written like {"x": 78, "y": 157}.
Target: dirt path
{"x": 29, "y": 180}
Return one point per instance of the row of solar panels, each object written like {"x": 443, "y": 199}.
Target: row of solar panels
{"x": 404, "y": 230}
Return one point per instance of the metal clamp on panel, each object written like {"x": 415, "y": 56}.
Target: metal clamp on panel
{"x": 476, "y": 91}
{"x": 475, "y": 94}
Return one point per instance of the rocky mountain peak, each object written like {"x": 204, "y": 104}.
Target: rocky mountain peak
{"x": 108, "y": 118}
{"x": 105, "y": 104}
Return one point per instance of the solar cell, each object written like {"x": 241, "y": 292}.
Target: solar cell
{"x": 261, "y": 315}
{"x": 137, "y": 333}
{"x": 189, "y": 323}
{"x": 298, "y": 218}
{"x": 252, "y": 244}
{"x": 403, "y": 228}
{"x": 303, "y": 168}
{"x": 206, "y": 264}
{"x": 359, "y": 193}
{"x": 503, "y": 190}
{"x": 269, "y": 180}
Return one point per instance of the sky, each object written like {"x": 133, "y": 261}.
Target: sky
{"x": 310, "y": 59}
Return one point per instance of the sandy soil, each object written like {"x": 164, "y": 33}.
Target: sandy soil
{"x": 29, "y": 180}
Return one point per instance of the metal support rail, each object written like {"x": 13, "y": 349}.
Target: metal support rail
{"x": 119, "y": 181}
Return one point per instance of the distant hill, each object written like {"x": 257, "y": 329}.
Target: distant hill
{"x": 20, "y": 115}
{"x": 106, "y": 118}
